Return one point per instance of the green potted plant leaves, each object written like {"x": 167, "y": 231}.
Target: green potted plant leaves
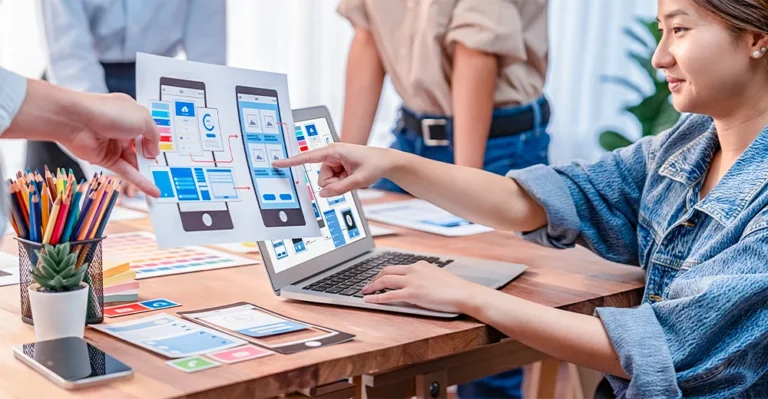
{"x": 654, "y": 111}
{"x": 59, "y": 297}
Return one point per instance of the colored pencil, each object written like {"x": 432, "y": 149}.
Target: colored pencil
{"x": 33, "y": 219}
{"x": 54, "y": 216}
{"x": 96, "y": 197}
{"x": 12, "y": 217}
{"x": 20, "y": 203}
{"x": 16, "y": 211}
{"x": 58, "y": 228}
{"x": 51, "y": 183}
{"x": 74, "y": 213}
{"x": 46, "y": 210}
{"x": 87, "y": 200}
{"x": 107, "y": 214}
{"x": 103, "y": 217}
{"x": 24, "y": 193}
{"x": 97, "y": 215}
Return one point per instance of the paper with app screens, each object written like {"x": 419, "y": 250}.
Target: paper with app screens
{"x": 9, "y": 269}
{"x": 421, "y": 215}
{"x": 220, "y": 129}
{"x": 170, "y": 336}
{"x": 265, "y": 328}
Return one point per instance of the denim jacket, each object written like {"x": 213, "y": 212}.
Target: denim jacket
{"x": 702, "y": 328}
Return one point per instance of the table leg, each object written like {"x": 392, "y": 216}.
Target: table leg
{"x": 547, "y": 378}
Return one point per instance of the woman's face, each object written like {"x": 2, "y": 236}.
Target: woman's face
{"x": 709, "y": 69}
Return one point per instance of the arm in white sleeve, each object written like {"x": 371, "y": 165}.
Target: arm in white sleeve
{"x": 72, "y": 60}
{"x": 13, "y": 89}
{"x": 205, "y": 33}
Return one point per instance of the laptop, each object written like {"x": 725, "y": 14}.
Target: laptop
{"x": 334, "y": 268}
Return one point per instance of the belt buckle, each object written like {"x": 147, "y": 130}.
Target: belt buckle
{"x": 426, "y": 132}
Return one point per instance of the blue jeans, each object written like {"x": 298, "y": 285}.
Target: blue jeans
{"x": 502, "y": 154}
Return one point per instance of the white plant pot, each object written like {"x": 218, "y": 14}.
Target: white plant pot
{"x": 58, "y": 314}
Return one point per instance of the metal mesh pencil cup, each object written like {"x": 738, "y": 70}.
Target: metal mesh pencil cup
{"x": 88, "y": 251}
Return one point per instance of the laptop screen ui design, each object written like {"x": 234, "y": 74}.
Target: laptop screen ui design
{"x": 337, "y": 217}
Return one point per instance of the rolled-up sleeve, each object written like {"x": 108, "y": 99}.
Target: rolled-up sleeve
{"x": 594, "y": 205}
{"x": 354, "y": 11}
{"x": 491, "y": 26}
{"x": 709, "y": 338}
{"x": 13, "y": 89}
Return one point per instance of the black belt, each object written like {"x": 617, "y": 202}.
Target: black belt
{"x": 435, "y": 130}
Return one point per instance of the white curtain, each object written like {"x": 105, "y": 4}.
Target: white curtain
{"x": 587, "y": 43}
{"x": 308, "y": 41}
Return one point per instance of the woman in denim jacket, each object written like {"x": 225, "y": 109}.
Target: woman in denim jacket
{"x": 689, "y": 206}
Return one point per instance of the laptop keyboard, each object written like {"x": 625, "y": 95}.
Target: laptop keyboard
{"x": 351, "y": 281}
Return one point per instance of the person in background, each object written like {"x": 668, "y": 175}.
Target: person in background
{"x": 470, "y": 74}
{"x": 92, "y": 46}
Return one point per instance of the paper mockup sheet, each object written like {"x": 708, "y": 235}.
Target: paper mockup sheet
{"x": 266, "y": 328}
{"x": 421, "y": 215}
{"x": 170, "y": 336}
{"x": 9, "y": 269}
{"x": 220, "y": 129}
{"x": 378, "y": 231}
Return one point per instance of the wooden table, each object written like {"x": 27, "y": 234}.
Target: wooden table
{"x": 392, "y": 354}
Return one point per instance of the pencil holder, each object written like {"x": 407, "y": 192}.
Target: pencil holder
{"x": 86, "y": 251}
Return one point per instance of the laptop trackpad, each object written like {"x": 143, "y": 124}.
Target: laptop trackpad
{"x": 488, "y": 282}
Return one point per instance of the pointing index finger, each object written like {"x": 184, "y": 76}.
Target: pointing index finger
{"x": 315, "y": 156}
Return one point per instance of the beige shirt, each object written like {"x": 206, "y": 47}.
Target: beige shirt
{"x": 415, "y": 39}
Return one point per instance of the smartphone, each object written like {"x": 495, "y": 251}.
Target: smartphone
{"x": 264, "y": 141}
{"x": 186, "y": 96}
{"x": 72, "y": 362}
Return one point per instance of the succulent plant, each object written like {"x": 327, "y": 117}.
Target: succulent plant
{"x": 56, "y": 269}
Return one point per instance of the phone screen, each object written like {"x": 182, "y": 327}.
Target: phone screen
{"x": 73, "y": 359}
{"x": 264, "y": 142}
{"x": 185, "y": 103}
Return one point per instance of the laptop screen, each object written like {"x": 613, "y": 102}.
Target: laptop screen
{"x": 337, "y": 217}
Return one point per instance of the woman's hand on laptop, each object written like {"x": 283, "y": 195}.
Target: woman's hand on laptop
{"x": 344, "y": 167}
{"x": 425, "y": 285}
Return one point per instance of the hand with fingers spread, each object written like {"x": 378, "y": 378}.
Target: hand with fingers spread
{"x": 345, "y": 167}
{"x": 425, "y": 285}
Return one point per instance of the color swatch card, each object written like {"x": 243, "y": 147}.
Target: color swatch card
{"x": 9, "y": 269}
{"x": 161, "y": 113}
{"x": 140, "y": 249}
{"x": 121, "y": 213}
{"x": 139, "y": 307}
{"x": 421, "y": 215}
{"x": 170, "y": 336}
{"x": 239, "y": 354}
{"x": 240, "y": 247}
{"x": 193, "y": 364}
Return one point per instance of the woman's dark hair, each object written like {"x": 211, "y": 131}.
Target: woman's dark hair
{"x": 739, "y": 15}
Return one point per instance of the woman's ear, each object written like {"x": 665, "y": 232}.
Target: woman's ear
{"x": 759, "y": 45}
